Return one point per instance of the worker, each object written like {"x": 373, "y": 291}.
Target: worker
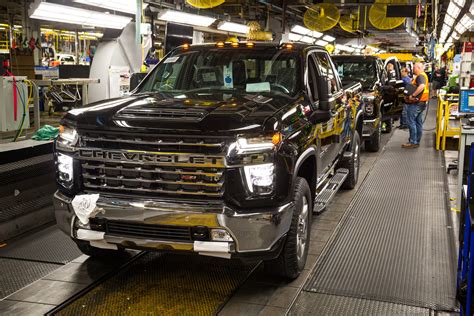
{"x": 438, "y": 81}
{"x": 416, "y": 104}
{"x": 406, "y": 80}
{"x": 391, "y": 75}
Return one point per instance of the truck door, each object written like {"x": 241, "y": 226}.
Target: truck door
{"x": 397, "y": 84}
{"x": 332, "y": 131}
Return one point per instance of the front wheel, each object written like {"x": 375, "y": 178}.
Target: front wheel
{"x": 352, "y": 164}
{"x": 292, "y": 259}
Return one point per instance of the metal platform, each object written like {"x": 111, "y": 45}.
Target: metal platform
{"x": 16, "y": 274}
{"x": 395, "y": 243}
{"x": 48, "y": 245}
{"x": 163, "y": 284}
{"x": 349, "y": 306}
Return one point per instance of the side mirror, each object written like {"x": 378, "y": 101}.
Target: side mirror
{"x": 324, "y": 88}
{"x": 135, "y": 79}
{"x": 319, "y": 116}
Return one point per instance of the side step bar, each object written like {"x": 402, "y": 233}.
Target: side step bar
{"x": 327, "y": 194}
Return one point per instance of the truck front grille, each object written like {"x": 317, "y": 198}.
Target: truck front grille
{"x": 140, "y": 171}
{"x": 161, "y": 232}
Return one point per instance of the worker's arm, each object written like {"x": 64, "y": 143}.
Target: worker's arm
{"x": 419, "y": 89}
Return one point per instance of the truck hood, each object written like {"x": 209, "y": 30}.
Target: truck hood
{"x": 203, "y": 112}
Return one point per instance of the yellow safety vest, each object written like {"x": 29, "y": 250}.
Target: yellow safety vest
{"x": 426, "y": 91}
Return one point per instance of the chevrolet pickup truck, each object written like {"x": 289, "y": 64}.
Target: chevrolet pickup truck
{"x": 223, "y": 150}
{"x": 381, "y": 96}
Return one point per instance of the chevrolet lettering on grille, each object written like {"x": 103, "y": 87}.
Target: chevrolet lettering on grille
{"x": 152, "y": 157}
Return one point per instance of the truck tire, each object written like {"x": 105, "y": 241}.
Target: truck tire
{"x": 292, "y": 259}
{"x": 95, "y": 252}
{"x": 373, "y": 143}
{"x": 352, "y": 164}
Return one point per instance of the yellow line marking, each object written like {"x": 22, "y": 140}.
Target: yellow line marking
{"x": 452, "y": 199}
{"x": 455, "y": 210}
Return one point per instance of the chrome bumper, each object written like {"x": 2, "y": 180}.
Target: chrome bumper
{"x": 369, "y": 127}
{"x": 251, "y": 232}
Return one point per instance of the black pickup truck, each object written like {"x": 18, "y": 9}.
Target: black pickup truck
{"x": 223, "y": 149}
{"x": 382, "y": 92}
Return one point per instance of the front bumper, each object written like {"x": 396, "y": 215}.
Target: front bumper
{"x": 370, "y": 127}
{"x": 255, "y": 233}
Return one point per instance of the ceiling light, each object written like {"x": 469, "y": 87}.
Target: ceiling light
{"x": 329, "y": 38}
{"x": 460, "y": 2}
{"x": 460, "y": 28}
{"x": 233, "y": 27}
{"x": 304, "y": 31}
{"x": 294, "y": 37}
{"x": 67, "y": 14}
{"x": 315, "y": 34}
{"x": 449, "y": 20}
{"x": 300, "y": 30}
{"x": 453, "y": 10}
{"x": 321, "y": 43}
{"x": 185, "y": 18}
{"x": 466, "y": 21}
{"x": 116, "y": 5}
{"x": 307, "y": 39}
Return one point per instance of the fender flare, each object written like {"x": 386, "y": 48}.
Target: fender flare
{"x": 311, "y": 151}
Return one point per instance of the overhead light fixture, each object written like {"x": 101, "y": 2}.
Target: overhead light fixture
{"x": 300, "y": 38}
{"x": 321, "y": 43}
{"x": 460, "y": 28}
{"x": 185, "y": 18}
{"x": 300, "y": 30}
{"x": 126, "y": 6}
{"x": 294, "y": 37}
{"x": 233, "y": 27}
{"x": 466, "y": 21}
{"x": 329, "y": 38}
{"x": 307, "y": 39}
{"x": 449, "y": 20}
{"x": 453, "y": 10}
{"x": 304, "y": 31}
{"x": 460, "y": 2}
{"x": 71, "y": 15}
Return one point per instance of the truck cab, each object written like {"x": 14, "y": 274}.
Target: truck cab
{"x": 381, "y": 92}
{"x": 222, "y": 150}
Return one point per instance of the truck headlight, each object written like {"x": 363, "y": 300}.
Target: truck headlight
{"x": 260, "y": 178}
{"x": 65, "y": 170}
{"x": 68, "y": 137}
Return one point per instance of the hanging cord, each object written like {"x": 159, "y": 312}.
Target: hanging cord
{"x": 23, "y": 101}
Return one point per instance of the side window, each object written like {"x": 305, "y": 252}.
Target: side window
{"x": 312, "y": 79}
{"x": 326, "y": 69}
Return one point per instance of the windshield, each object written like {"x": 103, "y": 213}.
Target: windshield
{"x": 363, "y": 71}
{"x": 268, "y": 70}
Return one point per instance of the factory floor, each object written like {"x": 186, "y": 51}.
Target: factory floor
{"x": 386, "y": 247}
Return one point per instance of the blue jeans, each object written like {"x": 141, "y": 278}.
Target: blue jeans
{"x": 403, "y": 117}
{"x": 415, "y": 121}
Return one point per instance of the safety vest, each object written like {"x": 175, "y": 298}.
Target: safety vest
{"x": 426, "y": 91}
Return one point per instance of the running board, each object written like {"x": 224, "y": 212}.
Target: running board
{"x": 329, "y": 191}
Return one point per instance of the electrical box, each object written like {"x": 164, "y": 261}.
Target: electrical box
{"x": 11, "y": 118}
{"x": 466, "y": 99}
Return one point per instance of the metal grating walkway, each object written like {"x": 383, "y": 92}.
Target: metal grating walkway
{"x": 395, "y": 243}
